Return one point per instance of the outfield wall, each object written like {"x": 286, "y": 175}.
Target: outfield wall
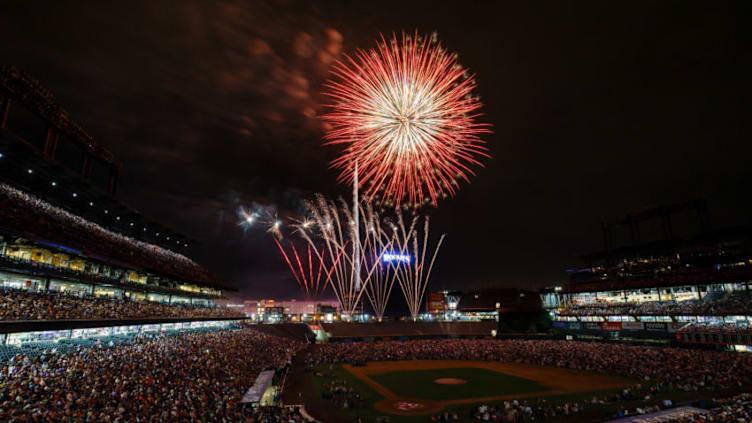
{"x": 408, "y": 330}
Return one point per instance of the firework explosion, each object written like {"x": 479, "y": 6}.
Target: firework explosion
{"x": 407, "y": 114}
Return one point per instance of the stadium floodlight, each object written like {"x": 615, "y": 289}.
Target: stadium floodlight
{"x": 54, "y": 184}
{"x": 30, "y": 171}
{"x": 75, "y": 195}
{"x": 1, "y": 155}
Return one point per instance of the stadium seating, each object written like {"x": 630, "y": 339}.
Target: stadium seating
{"x": 18, "y": 305}
{"x": 712, "y": 304}
{"x": 191, "y": 376}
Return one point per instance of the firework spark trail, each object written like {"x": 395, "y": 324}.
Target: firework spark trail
{"x": 413, "y": 277}
{"x": 334, "y": 227}
{"x": 407, "y": 114}
{"x": 382, "y": 280}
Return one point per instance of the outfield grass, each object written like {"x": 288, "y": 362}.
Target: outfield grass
{"x": 367, "y": 413}
{"x": 480, "y": 383}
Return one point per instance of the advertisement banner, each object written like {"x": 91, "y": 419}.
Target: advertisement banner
{"x": 560, "y": 325}
{"x": 593, "y": 325}
{"x": 611, "y": 326}
{"x": 436, "y": 302}
{"x": 575, "y": 325}
{"x": 632, "y": 325}
{"x": 655, "y": 326}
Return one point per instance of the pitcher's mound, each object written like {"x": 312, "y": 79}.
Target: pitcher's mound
{"x": 449, "y": 381}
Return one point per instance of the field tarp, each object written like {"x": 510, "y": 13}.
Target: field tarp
{"x": 260, "y": 386}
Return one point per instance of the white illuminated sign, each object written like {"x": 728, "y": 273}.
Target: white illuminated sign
{"x": 389, "y": 257}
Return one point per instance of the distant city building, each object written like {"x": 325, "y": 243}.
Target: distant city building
{"x": 270, "y": 310}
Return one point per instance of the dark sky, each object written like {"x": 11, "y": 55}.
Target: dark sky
{"x": 598, "y": 108}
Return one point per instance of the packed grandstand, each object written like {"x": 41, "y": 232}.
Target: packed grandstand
{"x": 188, "y": 377}
{"x": 23, "y": 305}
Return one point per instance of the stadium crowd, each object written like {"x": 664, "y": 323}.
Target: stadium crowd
{"x": 737, "y": 409}
{"x": 272, "y": 414}
{"x": 23, "y": 305}
{"x": 26, "y": 211}
{"x": 732, "y": 303}
{"x": 189, "y": 377}
{"x": 515, "y": 411}
{"x": 712, "y": 327}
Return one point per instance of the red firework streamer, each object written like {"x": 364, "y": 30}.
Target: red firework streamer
{"x": 310, "y": 280}
{"x": 289, "y": 263}
{"x": 300, "y": 266}
{"x": 406, "y": 113}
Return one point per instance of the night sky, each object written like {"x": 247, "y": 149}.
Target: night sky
{"x": 598, "y": 109}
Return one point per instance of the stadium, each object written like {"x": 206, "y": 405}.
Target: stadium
{"x": 318, "y": 309}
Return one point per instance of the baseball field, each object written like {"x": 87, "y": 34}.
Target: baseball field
{"x": 413, "y": 390}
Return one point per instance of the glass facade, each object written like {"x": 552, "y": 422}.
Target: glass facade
{"x": 23, "y": 253}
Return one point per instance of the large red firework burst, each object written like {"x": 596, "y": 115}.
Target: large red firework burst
{"x": 406, "y": 113}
